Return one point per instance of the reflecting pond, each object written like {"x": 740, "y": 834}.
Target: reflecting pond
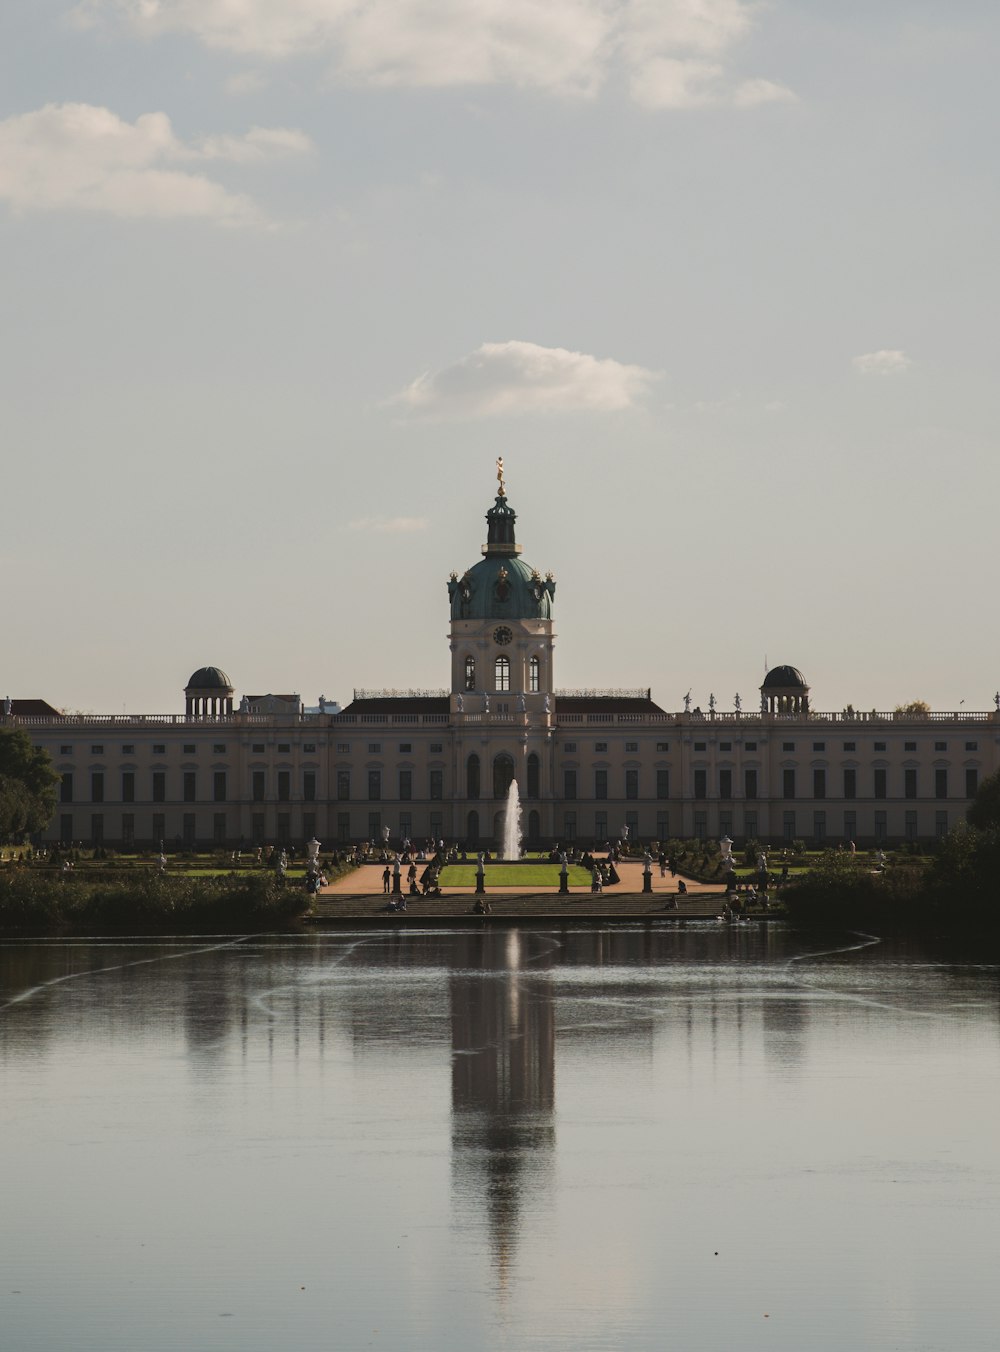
{"x": 695, "y": 1137}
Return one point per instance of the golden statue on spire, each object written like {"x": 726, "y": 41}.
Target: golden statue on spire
{"x": 503, "y": 487}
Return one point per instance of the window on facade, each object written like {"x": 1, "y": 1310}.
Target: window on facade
{"x": 68, "y": 750}
{"x": 406, "y": 784}
{"x": 284, "y": 826}
{"x": 437, "y": 784}
{"x": 788, "y": 783}
{"x": 600, "y": 747}
{"x": 534, "y": 775}
{"x": 189, "y": 748}
{"x": 470, "y": 673}
{"x": 437, "y": 747}
{"x": 663, "y": 783}
{"x": 940, "y": 783}
{"x": 159, "y": 749}
{"x": 309, "y": 789}
{"x": 663, "y": 746}
{"x": 850, "y": 825}
{"x": 909, "y": 783}
{"x": 159, "y": 786}
{"x": 700, "y": 825}
{"x": 940, "y": 746}
{"x": 405, "y": 748}
{"x": 374, "y": 748}
{"x": 632, "y": 822}
{"x": 701, "y": 783}
{"x": 701, "y": 746}
{"x": 570, "y": 747}
{"x": 343, "y": 827}
{"x": 257, "y": 786}
{"x": 569, "y": 826}
{"x": 788, "y": 825}
{"x": 819, "y": 783}
{"x": 601, "y": 826}
{"x": 725, "y": 746}
{"x": 909, "y": 746}
{"x": 880, "y": 783}
{"x": 600, "y": 783}
{"x": 219, "y": 786}
{"x": 128, "y": 749}
{"x": 850, "y": 783}
{"x": 309, "y": 747}
{"x": 569, "y": 784}
{"x": 284, "y": 786}
{"x": 850, "y": 746}
{"x": 97, "y": 828}
{"x": 159, "y": 827}
{"x": 285, "y": 748}
{"x": 257, "y": 748}
{"x": 819, "y": 827}
{"x": 662, "y": 827}
{"x": 97, "y": 787}
{"x": 405, "y": 825}
{"x": 631, "y": 783}
{"x": 97, "y": 750}
{"x": 940, "y": 823}
{"x": 128, "y": 786}
{"x": 472, "y": 777}
{"x": 501, "y": 672}
{"x": 219, "y": 828}
{"x": 971, "y": 783}
{"x": 819, "y": 746}
{"x": 374, "y": 785}
{"x": 880, "y": 746}
{"x": 534, "y": 679}
{"x": 910, "y": 825}
{"x": 749, "y": 783}
{"x": 343, "y": 748}
{"x": 631, "y": 746}
{"x": 788, "y": 746}
{"x": 218, "y": 748}
{"x": 66, "y": 788}
{"x": 725, "y": 783}
{"x": 751, "y": 746}
{"x": 189, "y": 786}
{"x": 972, "y": 746}
{"x": 750, "y": 824}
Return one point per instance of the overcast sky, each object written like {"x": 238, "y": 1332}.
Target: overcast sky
{"x": 281, "y": 279}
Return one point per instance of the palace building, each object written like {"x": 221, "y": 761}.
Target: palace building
{"x": 589, "y": 764}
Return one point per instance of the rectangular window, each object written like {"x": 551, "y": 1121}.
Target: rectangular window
{"x": 344, "y": 785}
{"x": 437, "y": 785}
{"x": 600, "y": 828}
{"x": 632, "y": 822}
{"x": 437, "y": 826}
{"x": 749, "y": 783}
{"x": 374, "y": 748}
{"x": 972, "y": 746}
{"x": 188, "y": 830}
{"x": 159, "y": 829}
{"x": 128, "y": 786}
{"x": 701, "y": 746}
{"x": 569, "y": 826}
{"x": 219, "y": 828}
{"x": 750, "y": 824}
{"x": 971, "y": 783}
{"x": 909, "y": 746}
{"x": 128, "y": 749}
{"x": 128, "y": 829}
{"x": 663, "y": 783}
{"x": 66, "y": 788}
{"x": 663, "y": 746}
{"x": 437, "y": 748}
{"x": 218, "y": 749}
{"x": 631, "y": 783}
{"x": 405, "y": 748}
{"x": 910, "y": 826}
{"x": 940, "y": 746}
{"x": 285, "y": 748}
{"x": 725, "y": 746}
{"x": 940, "y": 783}
{"x": 97, "y": 787}
{"x": 600, "y": 783}
{"x": 68, "y": 750}
{"x": 257, "y": 827}
{"x": 219, "y": 786}
{"x": 725, "y": 783}
{"x": 309, "y": 789}
{"x": 940, "y": 824}
{"x": 343, "y": 827}
{"x": 910, "y": 783}
{"x": 406, "y": 785}
{"x": 880, "y": 828}
{"x": 850, "y": 783}
{"x": 700, "y": 825}
{"x": 284, "y": 827}
{"x": 880, "y": 746}
{"x": 159, "y": 786}
{"x": 662, "y": 827}
{"x": 374, "y": 785}
{"x": 97, "y": 750}
{"x": 725, "y": 823}
{"x": 310, "y": 749}
{"x": 159, "y": 748}
{"x": 701, "y": 783}
{"x": 570, "y": 748}
{"x": 751, "y": 746}
{"x": 819, "y": 783}
{"x": 850, "y": 825}
{"x": 405, "y": 825}
{"x": 569, "y": 784}
{"x": 880, "y": 783}
{"x": 788, "y": 746}
{"x": 819, "y": 746}
{"x": 189, "y": 748}
{"x": 850, "y": 746}
{"x": 788, "y": 783}
{"x": 284, "y": 786}
{"x": 309, "y": 824}
{"x": 631, "y": 746}
{"x": 788, "y": 825}
{"x": 257, "y": 786}
{"x": 600, "y": 746}
{"x": 189, "y": 786}
{"x": 97, "y": 828}
{"x": 257, "y": 748}
{"x": 343, "y": 748}
{"x": 819, "y": 827}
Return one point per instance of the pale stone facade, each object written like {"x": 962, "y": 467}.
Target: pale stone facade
{"x": 589, "y": 765}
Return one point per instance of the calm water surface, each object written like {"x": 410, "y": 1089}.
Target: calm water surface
{"x": 688, "y": 1139}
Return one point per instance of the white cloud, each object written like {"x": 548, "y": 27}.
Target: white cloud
{"x": 885, "y": 362}
{"x": 246, "y": 82}
{"x": 79, "y": 157}
{"x": 391, "y": 524}
{"x": 518, "y": 377}
{"x": 672, "y": 53}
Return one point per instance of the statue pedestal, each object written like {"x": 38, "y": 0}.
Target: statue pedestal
{"x": 563, "y": 885}
{"x": 647, "y": 882}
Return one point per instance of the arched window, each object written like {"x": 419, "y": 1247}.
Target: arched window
{"x": 472, "y": 828}
{"x": 533, "y": 670}
{"x": 532, "y": 776}
{"x": 501, "y": 672}
{"x": 472, "y": 777}
{"x": 503, "y": 774}
{"x": 534, "y": 827}
{"x": 470, "y": 673}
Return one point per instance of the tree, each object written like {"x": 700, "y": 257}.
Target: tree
{"x": 984, "y": 811}
{"x": 917, "y": 708}
{"x": 27, "y": 785}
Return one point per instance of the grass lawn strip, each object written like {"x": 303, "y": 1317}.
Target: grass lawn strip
{"x": 513, "y": 875}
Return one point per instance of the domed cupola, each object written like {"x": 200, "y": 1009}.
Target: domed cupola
{"x": 208, "y": 693}
{"x": 784, "y": 692}
{"x": 501, "y": 585}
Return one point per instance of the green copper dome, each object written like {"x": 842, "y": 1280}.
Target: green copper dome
{"x": 501, "y": 586}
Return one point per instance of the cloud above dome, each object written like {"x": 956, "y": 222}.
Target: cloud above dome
{"x": 516, "y": 377}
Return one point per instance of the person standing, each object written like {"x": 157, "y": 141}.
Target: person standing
{"x": 386, "y": 875}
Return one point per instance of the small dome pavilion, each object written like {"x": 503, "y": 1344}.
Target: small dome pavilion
{"x": 208, "y": 694}
{"x": 784, "y": 692}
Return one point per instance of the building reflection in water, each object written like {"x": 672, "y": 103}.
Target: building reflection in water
{"x": 503, "y": 1083}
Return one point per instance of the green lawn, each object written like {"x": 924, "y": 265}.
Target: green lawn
{"x": 513, "y": 875}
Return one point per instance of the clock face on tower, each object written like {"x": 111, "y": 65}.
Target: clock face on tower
{"x": 502, "y": 635}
